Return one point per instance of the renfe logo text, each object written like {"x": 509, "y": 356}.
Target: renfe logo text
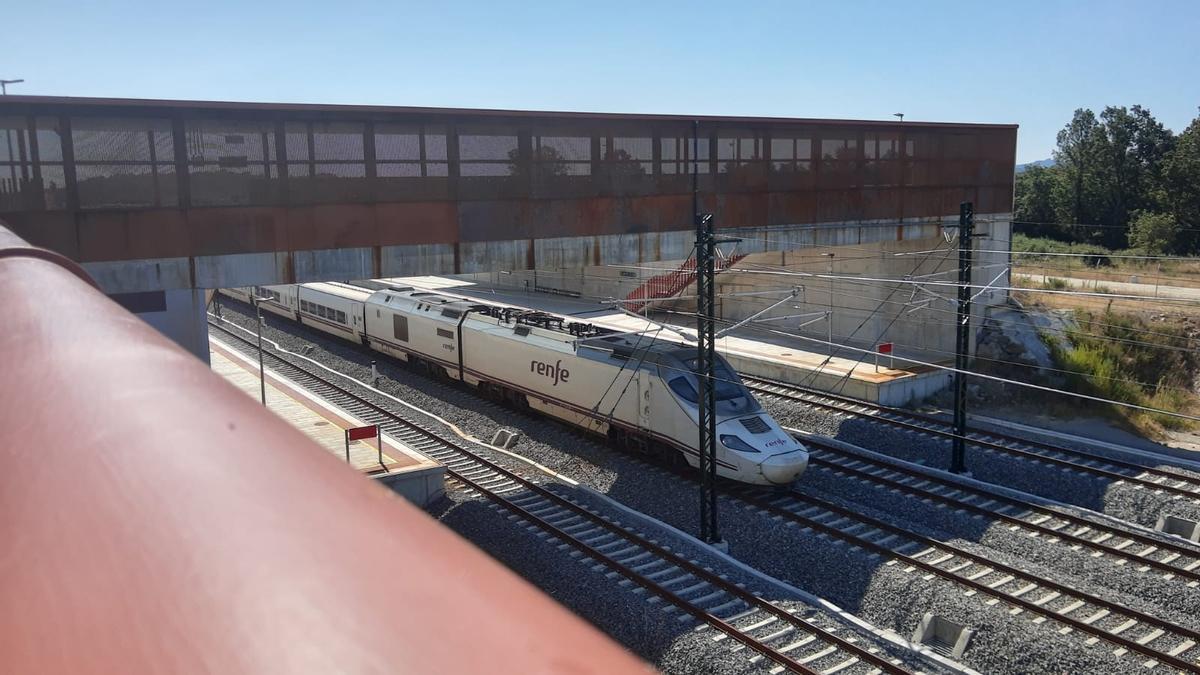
{"x": 555, "y": 372}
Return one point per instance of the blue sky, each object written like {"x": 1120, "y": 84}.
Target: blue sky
{"x": 1030, "y": 63}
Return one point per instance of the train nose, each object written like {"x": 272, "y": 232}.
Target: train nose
{"x": 784, "y": 468}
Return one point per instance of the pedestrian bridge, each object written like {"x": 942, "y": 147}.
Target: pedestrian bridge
{"x": 176, "y": 196}
{"x": 216, "y": 194}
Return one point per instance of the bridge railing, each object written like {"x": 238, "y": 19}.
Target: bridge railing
{"x": 80, "y": 154}
{"x": 155, "y": 519}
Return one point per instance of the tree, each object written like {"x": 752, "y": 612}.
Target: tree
{"x": 1034, "y": 200}
{"x": 1154, "y": 233}
{"x": 1153, "y": 144}
{"x": 1076, "y": 153}
{"x": 1130, "y": 149}
{"x": 1181, "y": 181}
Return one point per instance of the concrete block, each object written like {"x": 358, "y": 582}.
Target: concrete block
{"x": 564, "y": 252}
{"x": 422, "y": 487}
{"x": 334, "y": 264}
{"x": 134, "y": 276}
{"x": 485, "y": 256}
{"x": 505, "y": 438}
{"x": 1180, "y": 527}
{"x": 943, "y": 635}
{"x": 240, "y": 269}
{"x": 417, "y": 260}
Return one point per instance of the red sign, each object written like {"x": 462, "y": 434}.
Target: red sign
{"x": 885, "y": 348}
{"x": 361, "y": 433}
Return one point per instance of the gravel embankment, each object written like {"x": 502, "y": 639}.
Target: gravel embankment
{"x": 1121, "y": 500}
{"x": 846, "y": 576}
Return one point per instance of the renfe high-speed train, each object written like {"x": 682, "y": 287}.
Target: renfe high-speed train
{"x": 638, "y": 391}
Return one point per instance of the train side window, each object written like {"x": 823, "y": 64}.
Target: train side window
{"x": 442, "y": 332}
{"x": 683, "y": 389}
{"x": 400, "y": 327}
{"x": 341, "y": 316}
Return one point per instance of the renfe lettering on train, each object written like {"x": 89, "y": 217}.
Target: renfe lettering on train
{"x": 555, "y": 372}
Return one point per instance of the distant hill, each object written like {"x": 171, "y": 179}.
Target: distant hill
{"x": 1040, "y": 162}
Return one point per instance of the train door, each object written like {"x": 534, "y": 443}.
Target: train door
{"x": 645, "y": 383}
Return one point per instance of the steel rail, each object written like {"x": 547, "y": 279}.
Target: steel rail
{"x": 695, "y": 570}
{"x": 891, "y": 416}
{"x": 958, "y": 503}
{"x": 772, "y": 506}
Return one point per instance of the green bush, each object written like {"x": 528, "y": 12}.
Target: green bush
{"x": 1094, "y": 255}
{"x": 1114, "y": 356}
{"x": 1155, "y": 232}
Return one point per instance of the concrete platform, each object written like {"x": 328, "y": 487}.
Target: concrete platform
{"x": 404, "y": 470}
{"x": 788, "y": 359}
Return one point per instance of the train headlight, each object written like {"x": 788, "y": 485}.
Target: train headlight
{"x": 734, "y": 443}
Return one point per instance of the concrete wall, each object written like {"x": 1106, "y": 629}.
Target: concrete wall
{"x": 613, "y": 266}
{"x": 864, "y": 313}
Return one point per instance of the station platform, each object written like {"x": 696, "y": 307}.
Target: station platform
{"x": 404, "y": 470}
{"x": 778, "y": 357}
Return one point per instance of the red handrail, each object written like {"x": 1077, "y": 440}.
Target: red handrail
{"x": 153, "y": 519}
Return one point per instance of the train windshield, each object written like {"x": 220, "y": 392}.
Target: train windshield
{"x": 732, "y": 396}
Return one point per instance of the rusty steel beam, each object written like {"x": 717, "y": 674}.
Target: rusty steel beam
{"x": 155, "y": 520}
{"x": 108, "y": 105}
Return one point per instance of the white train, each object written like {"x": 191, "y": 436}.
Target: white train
{"x": 638, "y": 391}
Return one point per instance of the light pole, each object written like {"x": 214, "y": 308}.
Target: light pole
{"x": 262, "y": 381}
{"x": 900, "y": 115}
{"x": 4, "y": 86}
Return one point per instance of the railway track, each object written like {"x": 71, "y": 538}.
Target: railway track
{"x": 1140, "y": 551}
{"x": 793, "y": 642}
{"x": 1128, "y": 630}
{"x": 1175, "y": 482}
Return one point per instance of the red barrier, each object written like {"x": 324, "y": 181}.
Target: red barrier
{"x": 154, "y": 519}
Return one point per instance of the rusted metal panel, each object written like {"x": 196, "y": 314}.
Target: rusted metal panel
{"x": 163, "y": 522}
{"x": 111, "y": 106}
{"x": 881, "y": 203}
{"x": 371, "y": 176}
{"x": 417, "y": 223}
{"x": 130, "y": 235}
{"x": 214, "y": 231}
{"x": 54, "y": 230}
{"x": 791, "y": 207}
{"x": 331, "y": 226}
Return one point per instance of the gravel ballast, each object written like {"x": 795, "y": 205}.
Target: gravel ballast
{"x": 840, "y": 573}
{"x": 1121, "y": 500}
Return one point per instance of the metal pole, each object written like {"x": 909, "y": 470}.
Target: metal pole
{"x": 701, "y": 380}
{"x": 830, "y": 302}
{"x": 966, "y": 225}
{"x": 379, "y": 443}
{"x": 12, "y": 167}
{"x": 705, "y": 363}
{"x": 262, "y": 382}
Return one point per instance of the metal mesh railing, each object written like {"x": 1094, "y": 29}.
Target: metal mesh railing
{"x": 798, "y": 172}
